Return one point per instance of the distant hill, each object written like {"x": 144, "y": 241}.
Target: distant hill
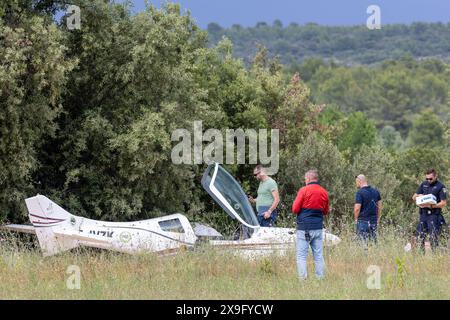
{"x": 345, "y": 44}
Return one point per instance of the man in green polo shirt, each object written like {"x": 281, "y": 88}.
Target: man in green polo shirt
{"x": 268, "y": 198}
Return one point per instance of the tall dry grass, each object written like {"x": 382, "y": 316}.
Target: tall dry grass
{"x": 209, "y": 274}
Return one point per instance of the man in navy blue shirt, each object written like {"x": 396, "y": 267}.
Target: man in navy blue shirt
{"x": 431, "y": 218}
{"x": 367, "y": 209}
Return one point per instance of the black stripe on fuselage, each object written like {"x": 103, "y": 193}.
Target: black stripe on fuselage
{"x": 151, "y": 231}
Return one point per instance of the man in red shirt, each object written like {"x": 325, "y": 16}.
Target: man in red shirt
{"x": 310, "y": 205}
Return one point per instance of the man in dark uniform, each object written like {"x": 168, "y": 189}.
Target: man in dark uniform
{"x": 367, "y": 210}
{"x": 431, "y": 218}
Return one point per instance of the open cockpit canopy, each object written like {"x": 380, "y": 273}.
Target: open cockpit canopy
{"x": 228, "y": 193}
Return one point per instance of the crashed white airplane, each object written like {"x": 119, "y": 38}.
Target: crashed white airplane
{"x": 57, "y": 230}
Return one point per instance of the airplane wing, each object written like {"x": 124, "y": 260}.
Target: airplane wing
{"x": 24, "y": 228}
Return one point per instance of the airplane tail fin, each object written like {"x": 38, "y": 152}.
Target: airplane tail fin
{"x": 49, "y": 220}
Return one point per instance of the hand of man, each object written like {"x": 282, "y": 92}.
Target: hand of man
{"x": 251, "y": 199}
{"x": 267, "y": 214}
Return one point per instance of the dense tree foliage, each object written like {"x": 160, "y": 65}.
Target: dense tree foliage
{"x": 391, "y": 94}
{"x": 87, "y": 115}
{"x": 427, "y": 131}
{"x": 347, "y": 44}
{"x": 33, "y": 73}
{"x": 358, "y": 131}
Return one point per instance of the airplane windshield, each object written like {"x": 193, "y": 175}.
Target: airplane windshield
{"x": 228, "y": 193}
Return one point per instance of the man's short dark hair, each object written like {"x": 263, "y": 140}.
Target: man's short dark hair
{"x": 431, "y": 171}
{"x": 260, "y": 168}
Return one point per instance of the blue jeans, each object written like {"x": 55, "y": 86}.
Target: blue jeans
{"x": 316, "y": 243}
{"x": 270, "y": 222}
{"x": 366, "y": 231}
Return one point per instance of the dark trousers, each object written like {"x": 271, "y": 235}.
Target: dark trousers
{"x": 366, "y": 231}
{"x": 429, "y": 225}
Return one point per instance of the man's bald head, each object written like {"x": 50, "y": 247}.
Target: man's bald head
{"x": 361, "y": 177}
{"x": 361, "y": 180}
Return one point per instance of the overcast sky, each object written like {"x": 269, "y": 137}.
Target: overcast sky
{"x": 328, "y": 12}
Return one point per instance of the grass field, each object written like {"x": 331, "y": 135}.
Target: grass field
{"x": 208, "y": 274}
